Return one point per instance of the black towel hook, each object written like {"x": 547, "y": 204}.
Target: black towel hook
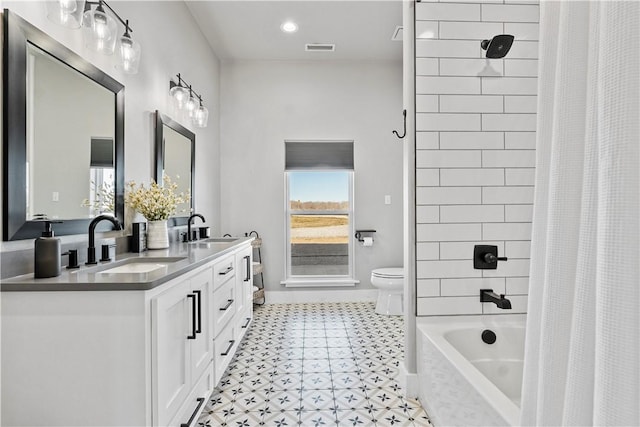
{"x": 404, "y": 115}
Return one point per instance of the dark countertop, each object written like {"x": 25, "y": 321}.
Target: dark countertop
{"x": 181, "y": 257}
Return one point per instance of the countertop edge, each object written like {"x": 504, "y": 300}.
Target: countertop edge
{"x": 22, "y": 284}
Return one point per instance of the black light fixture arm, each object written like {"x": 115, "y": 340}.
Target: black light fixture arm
{"x": 183, "y": 83}
{"x": 99, "y": 3}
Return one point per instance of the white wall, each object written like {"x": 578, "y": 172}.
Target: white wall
{"x": 264, "y": 103}
{"x": 171, "y": 43}
{"x": 475, "y": 141}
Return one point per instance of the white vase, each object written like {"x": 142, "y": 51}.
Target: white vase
{"x": 157, "y": 235}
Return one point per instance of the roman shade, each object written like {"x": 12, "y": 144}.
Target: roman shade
{"x": 101, "y": 153}
{"x": 318, "y": 155}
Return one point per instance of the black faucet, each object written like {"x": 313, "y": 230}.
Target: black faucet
{"x": 189, "y": 238}
{"x": 487, "y": 295}
{"x": 91, "y": 252}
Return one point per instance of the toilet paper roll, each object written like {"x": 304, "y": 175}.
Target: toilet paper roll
{"x": 367, "y": 241}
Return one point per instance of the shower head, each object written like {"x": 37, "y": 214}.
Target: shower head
{"x": 498, "y": 46}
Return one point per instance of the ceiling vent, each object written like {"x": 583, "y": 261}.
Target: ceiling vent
{"x": 397, "y": 34}
{"x": 320, "y": 47}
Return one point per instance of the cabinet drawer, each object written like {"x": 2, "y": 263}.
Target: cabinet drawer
{"x": 196, "y": 401}
{"x": 223, "y": 270}
{"x": 223, "y": 306}
{"x": 224, "y": 347}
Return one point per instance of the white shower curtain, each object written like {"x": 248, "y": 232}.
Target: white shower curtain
{"x": 583, "y": 327}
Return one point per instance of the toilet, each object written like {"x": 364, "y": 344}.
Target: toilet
{"x": 390, "y": 284}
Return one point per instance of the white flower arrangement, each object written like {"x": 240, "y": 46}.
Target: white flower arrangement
{"x": 103, "y": 199}
{"x": 155, "y": 202}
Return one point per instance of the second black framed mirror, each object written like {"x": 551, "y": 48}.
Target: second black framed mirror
{"x": 175, "y": 157}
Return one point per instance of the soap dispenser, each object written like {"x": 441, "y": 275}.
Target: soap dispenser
{"x": 47, "y": 253}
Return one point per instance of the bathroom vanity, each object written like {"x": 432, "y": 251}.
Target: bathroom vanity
{"x": 140, "y": 341}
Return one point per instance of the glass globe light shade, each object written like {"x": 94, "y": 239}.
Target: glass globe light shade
{"x": 191, "y": 105}
{"x": 201, "y": 116}
{"x": 67, "y": 13}
{"x": 129, "y": 54}
{"x": 180, "y": 95}
{"x": 99, "y": 31}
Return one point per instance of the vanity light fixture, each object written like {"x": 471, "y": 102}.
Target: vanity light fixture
{"x": 185, "y": 98}
{"x": 99, "y": 29}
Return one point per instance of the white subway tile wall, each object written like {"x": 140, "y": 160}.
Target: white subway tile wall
{"x": 475, "y": 152}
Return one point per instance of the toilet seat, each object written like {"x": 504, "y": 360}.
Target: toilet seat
{"x": 388, "y": 273}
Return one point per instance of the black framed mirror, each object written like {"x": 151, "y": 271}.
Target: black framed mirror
{"x": 45, "y": 154}
{"x": 176, "y": 157}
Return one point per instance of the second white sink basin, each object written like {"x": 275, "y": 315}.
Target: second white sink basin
{"x": 143, "y": 267}
{"x": 216, "y": 240}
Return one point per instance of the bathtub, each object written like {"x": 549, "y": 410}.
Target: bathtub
{"x": 464, "y": 381}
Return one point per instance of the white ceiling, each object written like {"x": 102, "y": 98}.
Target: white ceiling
{"x": 250, "y": 30}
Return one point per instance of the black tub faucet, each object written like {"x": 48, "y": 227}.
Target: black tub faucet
{"x": 91, "y": 252}
{"x": 189, "y": 236}
{"x": 487, "y": 295}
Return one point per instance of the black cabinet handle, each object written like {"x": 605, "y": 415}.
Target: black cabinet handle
{"x": 193, "y": 317}
{"x": 229, "y": 302}
{"x": 247, "y": 324}
{"x": 200, "y": 401}
{"x": 231, "y": 343}
{"x": 248, "y": 277}
{"x": 199, "y": 328}
{"x": 227, "y": 271}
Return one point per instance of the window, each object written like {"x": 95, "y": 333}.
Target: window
{"x": 319, "y": 213}
{"x": 319, "y": 226}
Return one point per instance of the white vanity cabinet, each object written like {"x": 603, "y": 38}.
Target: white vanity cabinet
{"x": 223, "y": 298}
{"x": 244, "y": 290}
{"x": 232, "y": 306}
{"x": 225, "y": 301}
{"x": 181, "y": 342}
{"x": 113, "y": 358}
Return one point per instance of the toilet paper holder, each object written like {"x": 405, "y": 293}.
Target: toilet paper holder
{"x": 361, "y": 234}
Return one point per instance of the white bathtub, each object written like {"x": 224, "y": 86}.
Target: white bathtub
{"x": 464, "y": 381}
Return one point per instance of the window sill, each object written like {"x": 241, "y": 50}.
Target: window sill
{"x": 319, "y": 283}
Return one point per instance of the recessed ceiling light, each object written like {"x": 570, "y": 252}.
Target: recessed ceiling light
{"x": 289, "y": 27}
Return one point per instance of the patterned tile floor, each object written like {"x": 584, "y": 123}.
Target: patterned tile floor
{"x": 316, "y": 365}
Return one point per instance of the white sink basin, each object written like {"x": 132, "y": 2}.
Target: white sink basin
{"x": 139, "y": 265}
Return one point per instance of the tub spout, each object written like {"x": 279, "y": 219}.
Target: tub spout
{"x": 487, "y": 295}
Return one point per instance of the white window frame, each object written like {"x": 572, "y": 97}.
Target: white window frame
{"x": 318, "y": 280}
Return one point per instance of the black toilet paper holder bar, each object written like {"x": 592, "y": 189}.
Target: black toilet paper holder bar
{"x": 359, "y": 234}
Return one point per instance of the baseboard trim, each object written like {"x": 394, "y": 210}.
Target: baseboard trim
{"x": 333, "y": 295}
{"x": 409, "y": 382}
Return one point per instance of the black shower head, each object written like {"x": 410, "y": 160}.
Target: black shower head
{"x": 498, "y": 46}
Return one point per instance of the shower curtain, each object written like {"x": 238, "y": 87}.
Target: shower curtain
{"x": 583, "y": 326}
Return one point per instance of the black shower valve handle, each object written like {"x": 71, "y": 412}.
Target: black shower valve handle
{"x": 491, "y": 258}
{"x": 486, "y": 257}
